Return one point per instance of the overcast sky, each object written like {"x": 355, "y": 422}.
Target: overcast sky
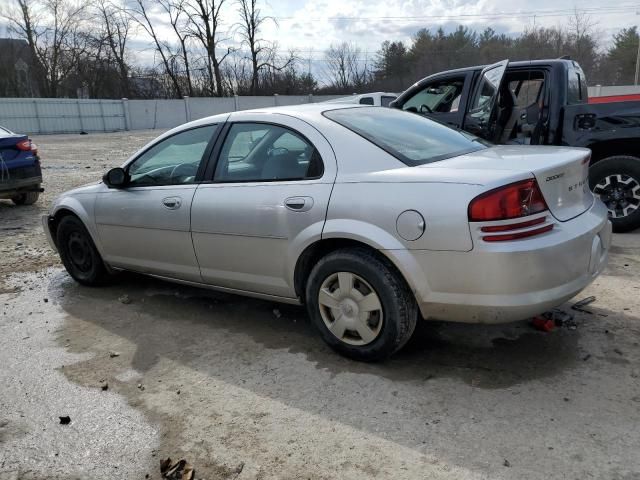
{"x": 314, "y": 24}
{"x": 310, "y": 26}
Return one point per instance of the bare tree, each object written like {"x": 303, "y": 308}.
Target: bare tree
{"x": 54, "y": 31}
{"x": 178, "y": 19}
{"x": 139, "y": 12}
{"x": 261, "y": 54}
{"x": 345, "y": 67}
{"x": 116, "y": 26}
{"x": 204, "y": 20}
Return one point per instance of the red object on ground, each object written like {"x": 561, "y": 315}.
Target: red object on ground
{"x": 632, "y": 97}
{"x": 543, "y": 324}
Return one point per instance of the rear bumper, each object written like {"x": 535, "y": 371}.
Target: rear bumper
{"x": 508, "y": 281}
{"x": 19, "y": 179}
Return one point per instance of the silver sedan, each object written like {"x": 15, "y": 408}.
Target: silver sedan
{"x": 371, "y": 217}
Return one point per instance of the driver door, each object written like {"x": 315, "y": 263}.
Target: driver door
{"x": 480, "y": 118}
{"x": 145, "y": 226}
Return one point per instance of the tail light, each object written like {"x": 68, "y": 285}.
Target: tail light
{"x": 512, "y": 201}
{"x": 27, "y": 146}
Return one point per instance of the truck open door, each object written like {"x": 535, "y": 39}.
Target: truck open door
{"x": 480, "y": 117}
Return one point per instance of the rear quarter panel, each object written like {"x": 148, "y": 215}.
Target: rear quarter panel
{"x": 587, "y": 124}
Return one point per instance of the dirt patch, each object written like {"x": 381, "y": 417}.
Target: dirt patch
{"x": 68, "y": 161}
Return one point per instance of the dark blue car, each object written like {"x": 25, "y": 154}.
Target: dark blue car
{"x": 20, "y": 174}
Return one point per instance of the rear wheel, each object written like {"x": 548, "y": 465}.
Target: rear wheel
{"x": 26, "y": 198}
{"x": 78, "y": 252}
{"x": 616, "y": 180}
{"x": 361, "y": 306}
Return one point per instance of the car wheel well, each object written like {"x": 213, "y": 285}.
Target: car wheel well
{"x": 55, "y": 220}
{"x": 613, "y": 148}
{"x": 314, "y": 252}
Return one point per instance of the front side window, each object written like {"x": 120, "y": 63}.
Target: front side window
{"x": 412, "y": 139}
{"x": 172, "y": 161}
{"x": 254, "y": 152}
{"x": 441, "y": 97}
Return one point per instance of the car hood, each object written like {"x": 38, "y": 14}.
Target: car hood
{"x": 92, "y": 187}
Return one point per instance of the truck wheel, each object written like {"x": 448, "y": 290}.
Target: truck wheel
{"x": 78, "y": 252}
{"x": 361, "y": 306}
{"x": 26, "y": 198}
{"x": 616, "y": 180}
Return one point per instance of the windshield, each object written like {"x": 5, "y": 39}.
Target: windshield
{"x": 411, "y": 138}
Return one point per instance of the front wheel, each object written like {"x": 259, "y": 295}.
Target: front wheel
{"x": 616, "y": 180}
{"x": 78, "y": 252}
{"x": 361, "y": 306}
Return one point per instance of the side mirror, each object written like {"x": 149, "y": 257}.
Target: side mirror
{"x": 116, "y": 178}
{"x": 393, "y": 104}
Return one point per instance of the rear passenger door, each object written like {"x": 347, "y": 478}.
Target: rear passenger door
{"x": 266, "y": 197}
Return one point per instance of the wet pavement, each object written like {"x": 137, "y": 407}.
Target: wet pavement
{"x": 244, "y": 393}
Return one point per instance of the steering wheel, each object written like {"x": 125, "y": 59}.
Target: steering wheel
{"x": 176, "y": 173}
{"x": 424, "y": 107}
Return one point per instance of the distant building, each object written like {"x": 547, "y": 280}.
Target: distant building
{"x": 18, "y": 75}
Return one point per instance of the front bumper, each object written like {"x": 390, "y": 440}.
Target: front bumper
{"x": 508, "y": 281}
{"x": 47, "y": 231}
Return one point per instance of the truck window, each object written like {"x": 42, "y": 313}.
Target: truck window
{"x": 442, "y": 96}
{"x": 385, "y": 100}
{"x": 576, "y": 86}
{"x": 526, "y": 92}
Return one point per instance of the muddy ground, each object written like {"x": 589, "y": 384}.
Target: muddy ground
{"x": 244, "y": 389}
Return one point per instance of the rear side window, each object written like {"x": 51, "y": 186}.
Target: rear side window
{"x": 576, "y": 86}
{"x": 412, "y": 139}
{"x": 261, "y": 152}
{"x": 366, "y": 101}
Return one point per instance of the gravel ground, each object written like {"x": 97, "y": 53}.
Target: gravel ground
{"x": 243, "y": 392}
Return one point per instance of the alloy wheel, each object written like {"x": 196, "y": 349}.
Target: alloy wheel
{"x": 620, "y": 193}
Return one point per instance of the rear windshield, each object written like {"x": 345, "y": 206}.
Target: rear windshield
{"x": 411, "y": 138}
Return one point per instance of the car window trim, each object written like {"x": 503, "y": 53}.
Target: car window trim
{"x": 201, "y": 165}
{"x": 212, "y": 164}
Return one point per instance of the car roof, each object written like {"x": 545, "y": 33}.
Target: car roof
{"x": 306, "y": 110}
{"x": 522, "y": 63}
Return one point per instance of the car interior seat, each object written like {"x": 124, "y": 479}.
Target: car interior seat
{"x": 285, "y": 166}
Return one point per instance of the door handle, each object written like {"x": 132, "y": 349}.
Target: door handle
{"x": 299, "y": 204}
{"x": 172, "y": 203}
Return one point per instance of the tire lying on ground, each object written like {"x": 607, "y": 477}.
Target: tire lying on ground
{"x": 359, "y": 303}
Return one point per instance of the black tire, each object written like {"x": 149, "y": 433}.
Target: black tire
{"x": 79, "y": 254}
{"x": 399, "y": 308}
{"x": 629, "y": 168}
{"x": 26, "y": 198}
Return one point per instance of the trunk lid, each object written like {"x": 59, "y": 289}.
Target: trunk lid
{"x": 562, "y": 173}
{"x": 8, "y": 148}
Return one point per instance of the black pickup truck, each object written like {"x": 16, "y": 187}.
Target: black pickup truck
{"x": 542, "y": 102}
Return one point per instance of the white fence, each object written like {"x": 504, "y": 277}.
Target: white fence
{"x": 49, "y": 115}
{"x": 606, "y": 91}
{"x": 53, "y": 115}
